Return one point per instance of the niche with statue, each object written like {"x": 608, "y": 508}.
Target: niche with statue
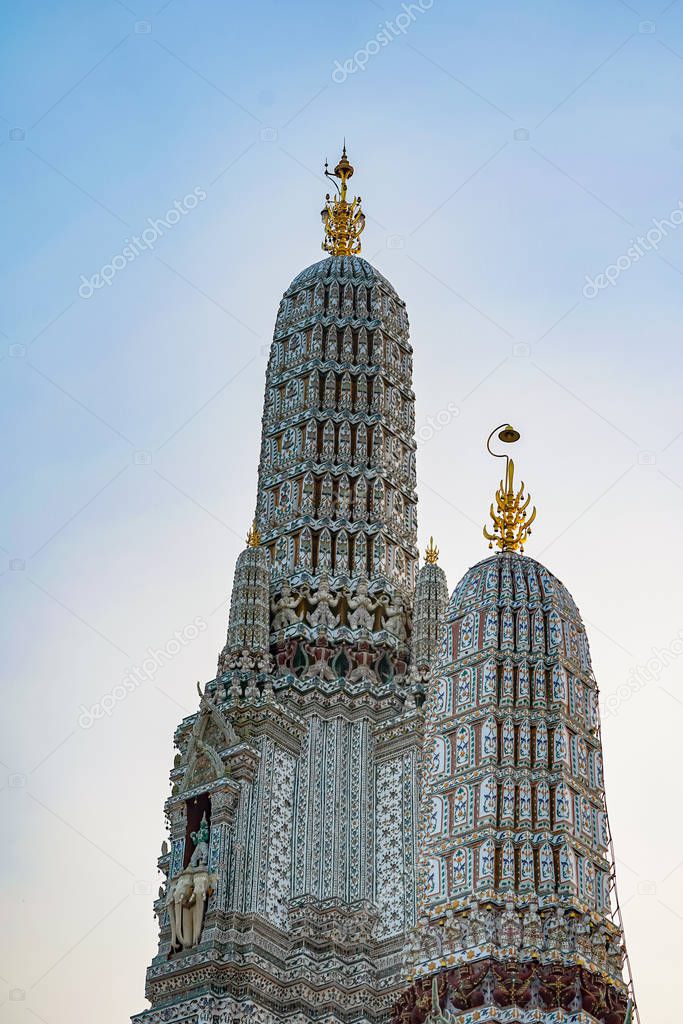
{"x": 187, "y": 894}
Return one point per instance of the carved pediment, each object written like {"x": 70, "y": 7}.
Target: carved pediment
{"x": 211, "y": 733}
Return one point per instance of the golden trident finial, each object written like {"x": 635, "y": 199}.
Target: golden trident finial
{"x": 343, "y": 220}
{"x": 253, "y": 537}
{"x": 511, "y": 524}
{"x": 432, "y": 553}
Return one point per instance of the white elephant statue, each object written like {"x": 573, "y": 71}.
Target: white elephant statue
{"x": 178, "y": 895}
{"x": 169, "y": 907}
{"x": 194, "y": 914}
{"x": 186, "y": 899}
{"x": 188, "y": 892}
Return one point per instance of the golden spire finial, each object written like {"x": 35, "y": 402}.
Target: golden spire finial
{"x": 432, "y": 553}
{"x": 253, "y": 537}
{"x": 343, "y": 220}
{"x": 511, "y": 524}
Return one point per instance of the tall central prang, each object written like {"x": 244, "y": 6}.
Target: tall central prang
{"x": 336, "y": 503}
{"x": 291, "y": 873}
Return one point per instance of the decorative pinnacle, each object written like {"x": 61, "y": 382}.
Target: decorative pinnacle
{"x": 511, "y": 523}
{"x": 343, "y": 221}
{"x": 253, "y": 537}
{"x": 436, "y": 1015}
{"x": 432, "y": 553}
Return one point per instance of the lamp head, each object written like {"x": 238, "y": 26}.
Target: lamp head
{"x": 508, "y": 434}
{"x": 511, "y": 521}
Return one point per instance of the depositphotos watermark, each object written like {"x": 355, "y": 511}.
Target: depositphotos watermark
{"x": 388, "y": 31}
{"x": 433, "y": 424}
{"x": 641, "y": 676}
{"x": 638, "y": 247}
{"x": 143, "y": 673}
{"x": 144, "y": 242}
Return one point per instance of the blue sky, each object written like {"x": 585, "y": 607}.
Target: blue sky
{"x": 503, "y": 152}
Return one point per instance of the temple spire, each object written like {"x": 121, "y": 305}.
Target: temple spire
{"x": 511, "y": 522}
{"x": 343, "y": 220}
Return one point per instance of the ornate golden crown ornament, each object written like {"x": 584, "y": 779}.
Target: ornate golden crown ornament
{"x": 253, "y": 537}
{"x": 432, "y": 553}
{"x": 343, "y": 220}
{"x": 511, "y": 522}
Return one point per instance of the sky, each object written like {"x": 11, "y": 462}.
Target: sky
{"x": 521, "y": 171}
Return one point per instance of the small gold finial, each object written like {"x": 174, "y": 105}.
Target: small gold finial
{"x": 253, "y": 537}
{"x": 432, "y": 553}
{"x": 344, "y": 221}
{"x": 511, "y": 523}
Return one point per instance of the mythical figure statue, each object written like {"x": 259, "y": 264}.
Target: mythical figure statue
{"x": 432, "y": 938}
{"x": 264, "y": 662}
{"x": 533, "y": 927}
{"x": 321, "y": 653}
{"x": 412, "y": 947}
{"x": 454, "y": 927}
{"x": 489, "y": 918}
{"x": 599, "y": 943}
{"x": 582, "y": 933}
{"x": 362, "y": 607}
{"x": 509, "y": 927}
{"x": 395, "y": 616}
{"x": 364, "y": 657}
{"x": 476, "y": 925}
{"x": 245, "y": 660}
{"x": 615, "y": 953}
{"x": 323, "y": 602}
{"x": 200, "y": 838}
{"x": 284, "y": 609}
{"x": 556, "y": 931}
